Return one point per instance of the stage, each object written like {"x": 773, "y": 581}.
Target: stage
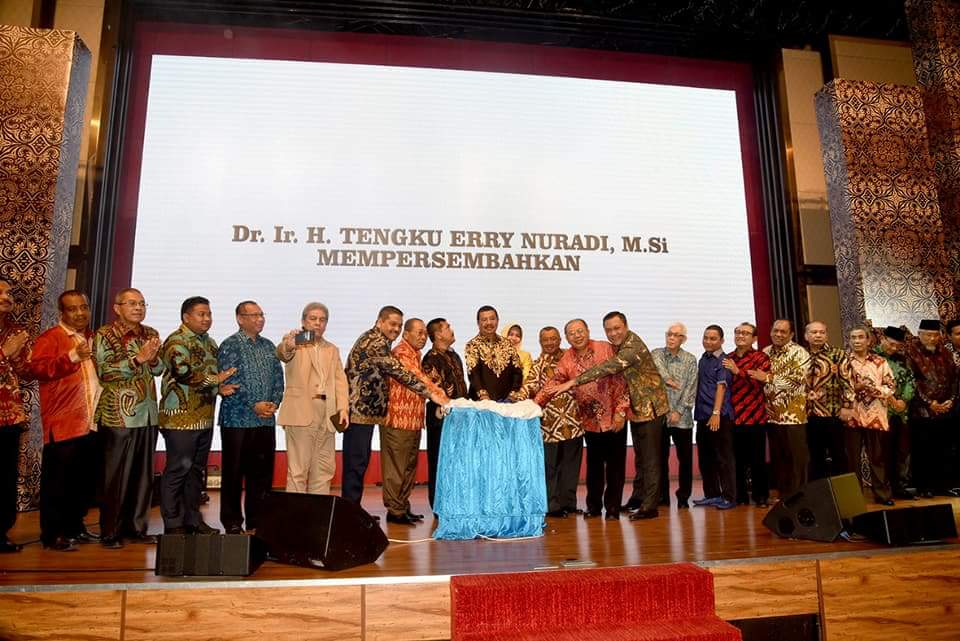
{"x": 113, "y": 594}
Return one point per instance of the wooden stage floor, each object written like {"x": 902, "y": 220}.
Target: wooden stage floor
{"x": 852, "y": 591}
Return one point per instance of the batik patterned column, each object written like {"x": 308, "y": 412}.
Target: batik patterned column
{"x": 43, "y": 83}
{"x": 892, "y": 267}
{"x": 935, "y": 31}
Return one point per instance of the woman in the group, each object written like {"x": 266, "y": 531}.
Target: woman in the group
{"x": 514, "y": 333}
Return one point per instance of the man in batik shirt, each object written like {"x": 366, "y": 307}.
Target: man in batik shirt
{"x": 443, "y": 366}
{"x": 829, "y": 401}
{"x": 868, "y": 426}
{"x": 785, "y": 387}
{"x": 13, "y": 417}
{"x": 127, "y": 356}
{"x": 400, "y": 433}
{"x": 560, "y": 426}
{"x": 953, "y": 340}
{"x": 603, "y": 406}
{"x": 890, "y": 345}
{"x": 648, "y": 407}
{"x": 932, "y": 428}
{"x": 190, "y": 386}
{"x": 678, "y": 368}
{"x": 493, "y": 364}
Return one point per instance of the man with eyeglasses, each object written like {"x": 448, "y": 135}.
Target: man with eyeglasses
{"x": 62, "y": 361}
{"x": 678, "y": 368}
{"x": 126, "y": 353}
{"x": 247, "y": 422}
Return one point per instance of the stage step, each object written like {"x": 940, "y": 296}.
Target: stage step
{"x": 708, "y": 628}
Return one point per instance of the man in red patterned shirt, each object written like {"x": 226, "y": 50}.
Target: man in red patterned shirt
{"x": 400, "y": 433}
{"x": 750, "y": 412}
{"x": 13, "y": 416}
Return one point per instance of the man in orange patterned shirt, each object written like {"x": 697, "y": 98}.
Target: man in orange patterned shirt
{"x": 400, "y": 434}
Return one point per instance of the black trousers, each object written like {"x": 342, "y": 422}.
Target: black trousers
{"x": 182, "y": 483}
{"x": 9, "y": 463}
{"x": 717, "y": 464}
{"x": 683, "y": 444}
{"x": 826, "y": 437}
{"x": 127, "y": 481}
{"x": 899, "y": 456}
{"x": 606, "y": 462}
{"x": 876, "y": 444}
{"x": 647, "y": 444}
{"x": 933, "y": 441}
{"x": 434, "y": 430}
{"x": 68, "y": 481}
{"x": 750, "y": 451}
{"x": 789, "y": 456}
{"x": 562, "y": 469}
{"x": 356, "y": 458}
{"x": 247, "y": 459}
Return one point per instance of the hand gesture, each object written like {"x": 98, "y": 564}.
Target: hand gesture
{"x": 439, "y": 398}
{"x": 757, "y": 375}
{"x": 227, "y": 389}
{"x": 673, "y": 418}
{"x": 343, "y": 418}
{"x": 225, "y": 374}
{"x": 289, "y": 341}
{"x": 263, "y": 409}
{"x": 672, "y": 383}
{"x": 148, "y": 351}
{"x": 714, "y": 423}
{"x": 83, "y": 351}
{"x": 730, "y": 365}
{"x": 14, "y": 344}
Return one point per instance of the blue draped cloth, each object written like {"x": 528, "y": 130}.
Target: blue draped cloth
{"x": 490, "y": 478}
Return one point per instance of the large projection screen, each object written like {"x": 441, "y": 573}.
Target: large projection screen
{"x": 439, "y": 190}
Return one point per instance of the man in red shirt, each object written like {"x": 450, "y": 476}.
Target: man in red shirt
{"x": 13, "y": 416}
{"x": 61, "y": 360}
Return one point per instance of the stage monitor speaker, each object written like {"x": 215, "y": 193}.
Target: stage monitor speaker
{"x": 319, "y": 531}
{"x": 208, "y": 555}
{"x": 908, "y": 525}
{"x": 818, "y": 510}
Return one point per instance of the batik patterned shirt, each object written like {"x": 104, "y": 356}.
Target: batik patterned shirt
{"x": 445, "y": 369}
{"x": 648, "y": 397}
{"x": 129, "y": 396}
{"x": 369, "y": 365}
{"x": 903, "y": 377}
{"x": 935, "y": 374}
{"x": 603, "y": 404}
{"x": 405, "y": 408}
{"x": 190, "y": 384}
{"x": 561, "y": 418}
{"x": 873, "y": 384}
{"x": 787, "y": 390}
{"x": 12, "y": 411}
{"x": 829, "y": 381}
{"x": 493, "y": 368}
{"x": 681, "y": 368}
{"x": 259, "y": 376}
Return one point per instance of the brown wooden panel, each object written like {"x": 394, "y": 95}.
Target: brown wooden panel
{"x": 749, "y": 590}
{"x": 408, "y": 612}
{"x": 30, "y": 616}
{"x": 278, "y": 614}
{"x": 892, "y": 597}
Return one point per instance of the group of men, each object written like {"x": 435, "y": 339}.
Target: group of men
{"x": 101, "y": 413}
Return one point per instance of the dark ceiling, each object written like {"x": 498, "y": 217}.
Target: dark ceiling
{"x": 736, "y": 29}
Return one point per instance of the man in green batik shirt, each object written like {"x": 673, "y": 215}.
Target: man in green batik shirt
{"x": 189, "y": 391}
{"x": 889, "y": 344}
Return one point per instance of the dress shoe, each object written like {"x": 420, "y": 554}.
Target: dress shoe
{"x": 725, "y": 505}
{"x": 708, "y": 500}
{"x": 375, "y": 517}
{"x": 573, "y": 510}
{"x": 111, "y": 543}
{"x": 887, "y": 502}
{"x": 204, "y": 498}
{"x": 142, "y": 537}
{"x": 415, "y": 517}
{"x": 175, "y": 530}
{"x": 557, "y": 514}
{"x": 763, "y": 504}
{"x": 630, "y": 506}
{"x": 664, "y": 502}
{"x": 643, "y": 515}
{"x": 927, "y": 494}
{"x": 402, "y": 519}
{"x": 234, "y": 529}
{"x": 683, "y": 504}
{"x": 205, "y": 529}
{"x": 954, "y": 492}
{"x": 84, "y": 537}
{"x": 61, "y": 544}
{"x": 591, "y": 515}
{"x": 906, "y": 495}
{"x": 612, "y": 516}
{"x": 7, "y": 546}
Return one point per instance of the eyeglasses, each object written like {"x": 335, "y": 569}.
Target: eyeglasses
{"x": 133, "y": 303}
{"x": 675, "y": 335}
{"x": 742, "y": 332}
{"x": 255, "y": 315}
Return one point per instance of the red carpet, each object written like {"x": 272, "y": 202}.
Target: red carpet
{"x": 648, "y": 603}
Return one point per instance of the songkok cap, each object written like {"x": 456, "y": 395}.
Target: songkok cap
{"x": 895, "y": 333}
{"x": 930, "y": 325}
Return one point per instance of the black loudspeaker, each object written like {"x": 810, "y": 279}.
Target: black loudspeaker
{"x": 908, "y": 525}
{"x": 818, "y": 510}
{"x": 208, "y": 555}
{"x": 319, "y": 531}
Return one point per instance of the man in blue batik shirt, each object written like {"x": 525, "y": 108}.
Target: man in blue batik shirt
{"x": 247, "y": 423}
{"x": 713, "y": 413}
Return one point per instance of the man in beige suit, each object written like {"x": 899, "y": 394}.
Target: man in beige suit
{"x": 315, "y": 395}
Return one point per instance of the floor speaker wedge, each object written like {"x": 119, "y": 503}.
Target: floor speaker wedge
{"x": 818, "y": 511}
{"x": 909, "y": 525}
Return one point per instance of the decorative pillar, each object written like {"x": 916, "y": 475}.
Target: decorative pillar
{"x": 43, "y": 84}
{"x": 888, "y": 237}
